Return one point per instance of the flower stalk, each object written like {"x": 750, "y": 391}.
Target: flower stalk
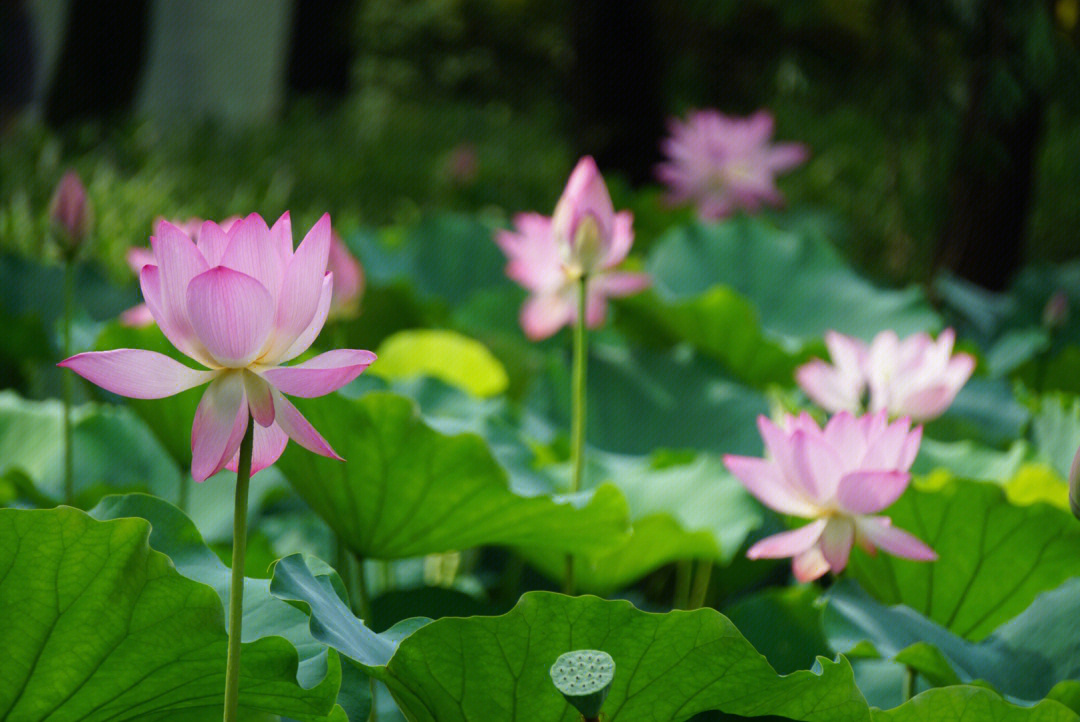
{"x": 577, "y": 420}
{"x": 69, "y": 382}
{"x": 236, "y": 586}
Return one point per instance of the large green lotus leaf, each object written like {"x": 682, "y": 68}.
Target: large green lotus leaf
{"x": 99, "y": 626}
{"x": 798, "y": 282}
{"x": 994, "y": 558}
{"x": 458, "y": 360}
{"x": 640, "y": 401}
{"x": 972, "y": 704}
{"x": 784, "y": 624}
{"x": 1023, "y": 659}
{"x": 668, "y": 666}
{"x": 408, "y": 490}
{"x": 694, "y": 510}
{"x": 112, "y": 451}
{"x": 720, "y": 323}
{"x": 970, "y": 460}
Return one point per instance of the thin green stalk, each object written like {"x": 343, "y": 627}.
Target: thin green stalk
{"x": 361, "y": 604}
{"x": 909, "y": 683}
{"x": 236, "y": 586}
{"x": 577, "y": 421}
{"x": 683, "y": 571}
{"x": 69, "y": 383}
{"x": 702, "y": 575}
{"x": 185, "y": 493}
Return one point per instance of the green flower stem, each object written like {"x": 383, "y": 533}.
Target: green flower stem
{"x": 702, "y": 575}
{"x": 683, "y": 572}
{"x": 185, "y": 493}
{"x": 577, "y": 422}
{"x": 356, "y": 583}
{"x": 909, "y": 683}
{"x": 236, "y": 586}
{"x": 69, "y": 381}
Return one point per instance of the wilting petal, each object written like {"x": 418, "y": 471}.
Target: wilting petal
{"x": 304, "y": 340}
{"x": 836, "y": 542}
{"x": 267, "y": 444}
{"x": 868, "y": 492}
{"x": 543, "y": 315}
{"x": 135, "y": 373}
{"x": 787, "y": 543}
{"x": 810, "y": 565}
{"x": 250, "y": 252}
{"x": 301, "y": 289}
{"x": 232, "y": 314}
{"x": 137, "y": 316}
{"x": 260, "y": 398}
{"x": 880, "y": 532}
{"x": 320, "y": 375}
{"x": 220, "y": 423}
{"x": 293, "y": 423}
{"x": 763, "y": 479}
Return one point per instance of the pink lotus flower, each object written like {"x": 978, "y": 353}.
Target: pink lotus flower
{"x": 348, "y": 279}
{"x": 839, "y": 476}
{"x": 549, "y": 256}
{"x": 721, "y": 163}
{"x": 917, "y": 377}
{"x": 139, "y": 256}
{"x": 241, "y": 303}
{"x": 69, "y": 209}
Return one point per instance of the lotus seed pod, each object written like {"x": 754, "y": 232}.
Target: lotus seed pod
{"x": 584, "y": 678}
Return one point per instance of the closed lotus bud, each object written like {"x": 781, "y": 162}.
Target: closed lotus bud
{"x": 1074, "y": 485}
{"x": 584, "y": 220}
{"x": 1056, "y": 313}
{"x": 69, "y": 210}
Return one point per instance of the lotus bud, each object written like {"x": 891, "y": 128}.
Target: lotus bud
{"x": 69, "y": 211}
{"x": 1056, "y": 313}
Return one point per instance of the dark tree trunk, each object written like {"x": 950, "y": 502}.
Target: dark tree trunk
{"x": 990, "y": 199}
{"x": 321, "y": 56}
{"x": 616, "y": 85}
{"x": 102, "y": 60}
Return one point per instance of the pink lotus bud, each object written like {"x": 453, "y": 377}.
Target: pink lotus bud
{"x": 69, "y": 209}
{"x": 462, "y": 164}
{"x": 584, "y": 220}
{"x": 1056, "y": 313}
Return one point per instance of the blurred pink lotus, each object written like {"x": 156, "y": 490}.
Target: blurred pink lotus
{"x": 721, "y": 163}
{"x": 917, "y": 377}
{"x": 240, "y": 303}
{"x": 549, "y": 256}
{"x": 839, "y": 476}
{"x": 70, "y": 210}
{"x": 348, "y": 279}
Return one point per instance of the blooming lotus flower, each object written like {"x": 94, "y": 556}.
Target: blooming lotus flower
{"x": 840, "y": 477}
{"x": 240, "y": 303}
{"x": 917, "y": 377}
{"x": 69, "y": 209}
{"x": 139, "y": 256}
{"x": 549, "y": 256}
{"x": 721, "y": 163}
{"x": 348, "y": 279}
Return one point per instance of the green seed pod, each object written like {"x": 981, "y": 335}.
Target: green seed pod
{"x": 584, "y": 678}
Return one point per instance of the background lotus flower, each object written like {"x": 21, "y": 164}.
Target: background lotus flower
{"x": 348, "y": 279}
{"x": 70, "y": 211}
{"x": 917, "y": 377}
{"x": 721, "y": 163}
{"x": 241, "y": 303}
{"x": 840, "y": 477}
{"x": 548, "y": 256}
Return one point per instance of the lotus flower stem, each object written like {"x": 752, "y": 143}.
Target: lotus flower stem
{"x": 69, "y": 303}
{"x": 236, "y": 586}
{"x": 702, "y": 574}
{"x": 577, "y": 421}
{"x": 909, "y": 683}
